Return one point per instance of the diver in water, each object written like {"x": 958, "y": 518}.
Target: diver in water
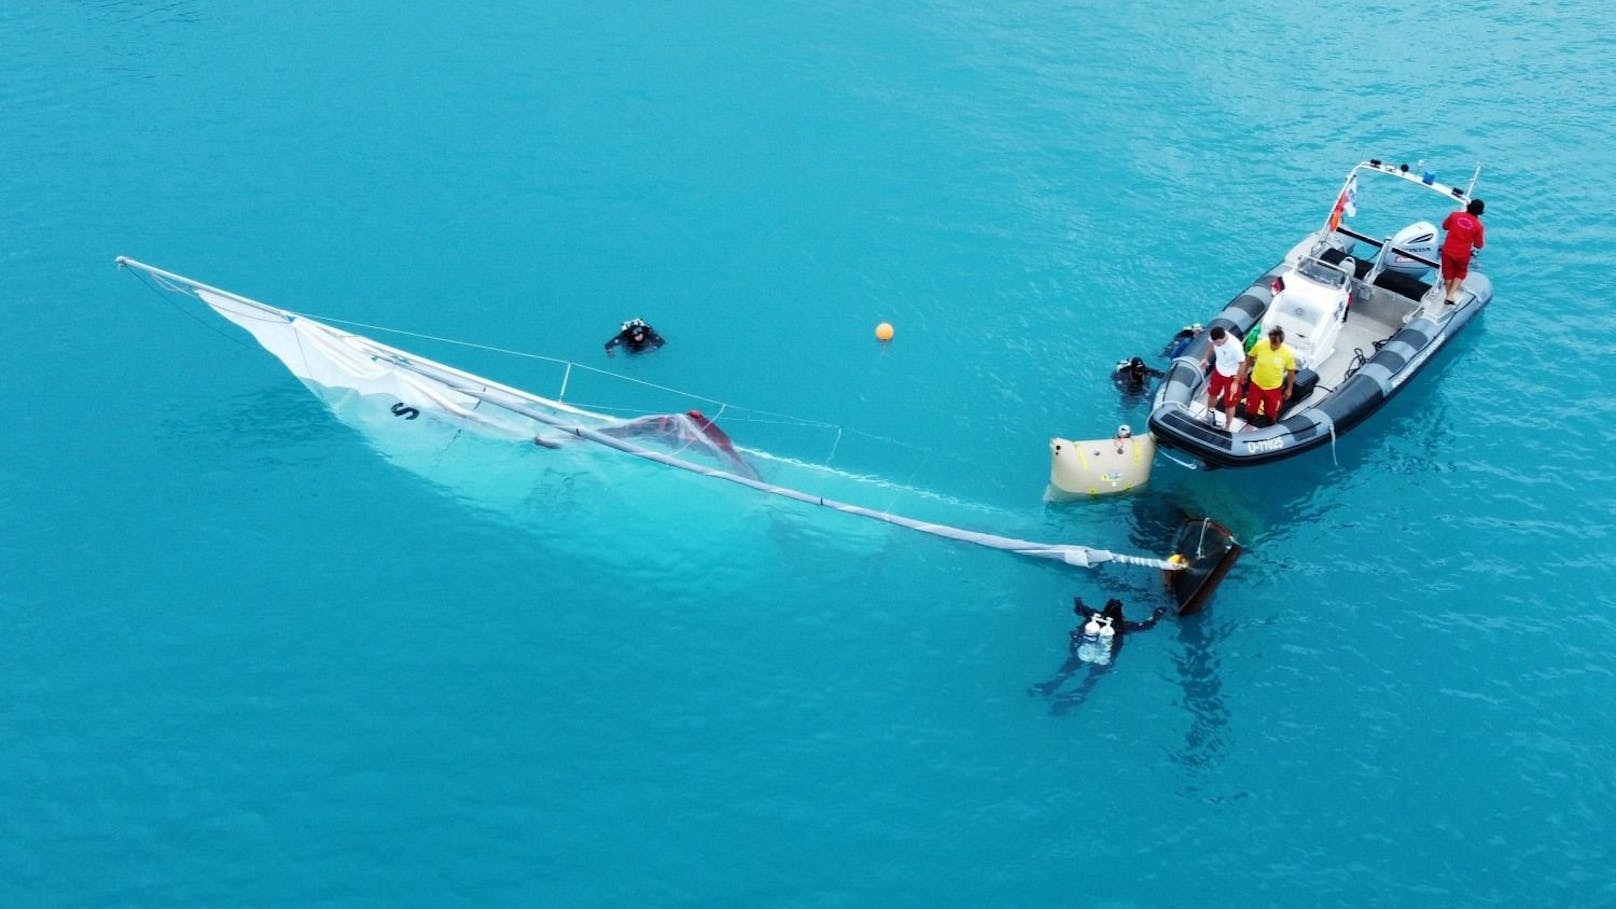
{"x": 1132, "y": 377}
{"x": 637, "y": 336}
{"x": 1095, "y": 644}
{"x": 1181, "y": 340}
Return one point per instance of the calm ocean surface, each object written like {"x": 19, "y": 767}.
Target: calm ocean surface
{"x": 253, "y": 655}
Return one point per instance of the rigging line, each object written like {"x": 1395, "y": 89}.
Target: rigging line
{"x": 192, "y": 287}
{"x": 458, "y": 430}
{"x": 455, "y": 341}
{"x": 698, "y": 435}
{"x": 835, "y": 444}
{"x": 566, "y": 377}
{"x": 566, "y": 418}
{"x": 1071, "y": 554}
{"x": 782, "y": 418}
{"x": 196, "y": 292}
{"x": 608, "y": 373}
{"x": 898, "y": 490}
{"x": 609, "y": 409}
{"x": 298, "y": 335}
{"x": 688, "y": 439}
{"x": 157, "y": 291}
{"x": 738, "y": 415}
{"x": 887, "y": 440}
{"x": 811, "y": 424}
{"x": 526, "y": 355}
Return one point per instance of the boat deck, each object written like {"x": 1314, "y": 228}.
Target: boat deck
{"x": 1379, "y": 317}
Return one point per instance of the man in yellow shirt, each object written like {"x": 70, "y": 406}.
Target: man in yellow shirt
{"x": 1272, "y": 368}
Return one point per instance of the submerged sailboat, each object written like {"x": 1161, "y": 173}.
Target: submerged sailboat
{"x": 412, "y": 387}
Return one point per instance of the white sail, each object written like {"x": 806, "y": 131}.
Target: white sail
{"x": 328, "y": 358}
{"x": 334, "y": 359}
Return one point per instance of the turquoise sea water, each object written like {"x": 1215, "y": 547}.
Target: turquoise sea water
{"x": 254, "y": 656}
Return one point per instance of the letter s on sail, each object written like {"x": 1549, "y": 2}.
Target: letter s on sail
{"x": 403, "y": 410}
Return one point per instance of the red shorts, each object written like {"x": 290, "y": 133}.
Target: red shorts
{"x": 1454, "y": 267}
{"x": 1264, "y": 401}
{"x": 1222, "y": 387}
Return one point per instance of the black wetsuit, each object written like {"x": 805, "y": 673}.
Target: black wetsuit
{"x": 1097, "y": 651}
{"x": 1134, "y": 381}
{"x": 1179, "y": 342}
{"x": 638, "y": 338}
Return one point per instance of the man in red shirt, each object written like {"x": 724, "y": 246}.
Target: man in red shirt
{"x": 1464, "y": 234}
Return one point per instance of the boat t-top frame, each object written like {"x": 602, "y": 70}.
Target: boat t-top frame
{"x": 1417, "y": 176}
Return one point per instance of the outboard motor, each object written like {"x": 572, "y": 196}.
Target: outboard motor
{"x": 1421, "y": 238}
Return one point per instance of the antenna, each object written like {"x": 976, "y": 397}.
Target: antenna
{"x": 1472, "y": 187}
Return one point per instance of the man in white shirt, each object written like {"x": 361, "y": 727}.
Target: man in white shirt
{"x": 1226, "y": 355}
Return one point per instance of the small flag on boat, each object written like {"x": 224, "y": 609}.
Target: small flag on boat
{"x": 1346, "y": 202}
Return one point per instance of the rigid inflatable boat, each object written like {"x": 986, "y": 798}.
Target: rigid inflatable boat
{"x": 1362, "y": 315}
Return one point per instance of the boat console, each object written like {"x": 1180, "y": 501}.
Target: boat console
{"x": 1310, "y": 307}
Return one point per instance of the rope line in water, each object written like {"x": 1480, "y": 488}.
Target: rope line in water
{"x": 1081, "y": 556}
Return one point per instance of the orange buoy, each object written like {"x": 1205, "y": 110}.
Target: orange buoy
{"x": 883, "y": 331}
